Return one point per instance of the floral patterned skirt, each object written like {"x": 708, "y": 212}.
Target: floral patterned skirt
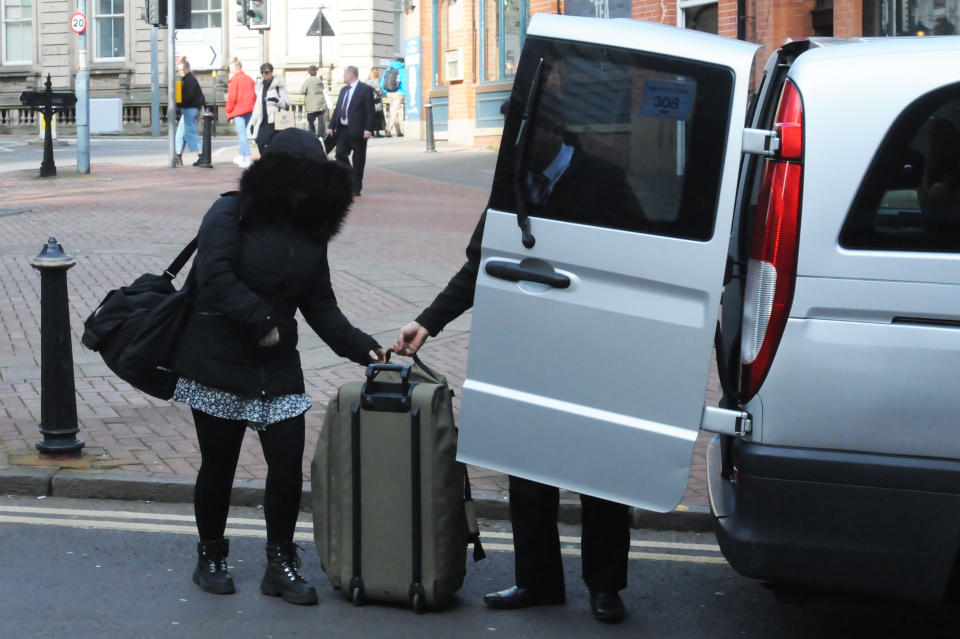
{"x": 258, "y": 413}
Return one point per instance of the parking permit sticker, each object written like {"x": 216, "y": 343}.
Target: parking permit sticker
{"x": 671, "y": 100}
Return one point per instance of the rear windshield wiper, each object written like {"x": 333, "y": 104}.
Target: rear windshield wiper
{"x": 520, "y": 152}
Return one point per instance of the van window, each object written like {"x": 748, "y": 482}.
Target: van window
{"x": 910, "y": 198}
{"x": 618, "y": 139}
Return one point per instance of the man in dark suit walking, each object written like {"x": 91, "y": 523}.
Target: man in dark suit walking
{"x": 352, "y": 123}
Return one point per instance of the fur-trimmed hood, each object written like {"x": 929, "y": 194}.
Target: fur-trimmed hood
{"x": 293, "y": 184}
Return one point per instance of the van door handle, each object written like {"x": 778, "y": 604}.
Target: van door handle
{"x": 515, "y": 273}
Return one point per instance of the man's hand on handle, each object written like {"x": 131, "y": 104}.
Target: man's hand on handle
{"x": 411, "y": 338}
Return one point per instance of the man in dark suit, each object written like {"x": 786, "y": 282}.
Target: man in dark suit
{"x": 352, "y": 123}
{"x": 560, "y": 181}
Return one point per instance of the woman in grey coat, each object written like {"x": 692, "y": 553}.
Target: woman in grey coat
{"x": 271, "y": 98}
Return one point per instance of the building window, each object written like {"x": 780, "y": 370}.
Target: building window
{"x": 699, "y": 15}
{"x": 205, "y": 14}
{"x": 17, "y": 31}
{"x": 503, "y": 28}
{"x": 108, "y": 27}
{"x": 910, "y": 17}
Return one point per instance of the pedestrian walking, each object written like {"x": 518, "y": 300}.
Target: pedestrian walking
{"x": 191, "y": 101}
{"x": 261, "y": 257}
{"x": 352, "y": 123}
{"x": 393, "y": 83}
{"x": 241, "y": 100}
{"x": 271, "y": 98}
{"x": 557, "y": 170}
{"x": 373, "y": 81}
{"x": 314, "y": 101}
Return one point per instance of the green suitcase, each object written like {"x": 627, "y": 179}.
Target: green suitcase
{"x": 391, "y": 505}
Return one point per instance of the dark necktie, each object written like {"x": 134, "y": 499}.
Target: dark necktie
{"x": 346, "y": 105}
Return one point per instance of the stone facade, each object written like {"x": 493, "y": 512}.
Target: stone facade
{"x": 120, "y": 67}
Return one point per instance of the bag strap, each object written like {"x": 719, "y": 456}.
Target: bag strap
{"x": 473, "y": 531}
{"x": 171, "y": 271}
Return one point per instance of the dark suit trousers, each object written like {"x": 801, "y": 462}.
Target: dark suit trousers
{"x": 605, "y": 540}
{"x": 347, "y": 144}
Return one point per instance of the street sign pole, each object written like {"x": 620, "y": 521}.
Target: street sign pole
{"x": 83, "y": 98}
{"x": 154, "y": 83}
{"x": 171, "y": 80}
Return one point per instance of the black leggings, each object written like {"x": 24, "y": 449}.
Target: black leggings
{"x": 220, "y": 441}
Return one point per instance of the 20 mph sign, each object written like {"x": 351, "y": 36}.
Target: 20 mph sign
{"x": 78, "y": 23}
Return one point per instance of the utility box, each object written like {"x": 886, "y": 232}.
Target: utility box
{"x": 106, "y": 115}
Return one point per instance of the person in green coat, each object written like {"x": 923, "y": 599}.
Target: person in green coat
{"x": 314, "y": 102}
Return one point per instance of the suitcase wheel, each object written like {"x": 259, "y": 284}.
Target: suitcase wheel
{"x": 416, "y": 601}
{"x": 356, "y": 596}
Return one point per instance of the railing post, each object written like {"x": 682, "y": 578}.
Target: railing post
{"x": 428, "y": 110}
{"x": 205, "y": 153}
{"x": 58, "y": 400}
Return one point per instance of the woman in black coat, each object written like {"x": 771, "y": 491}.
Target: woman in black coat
{"x": 261, "y": 256}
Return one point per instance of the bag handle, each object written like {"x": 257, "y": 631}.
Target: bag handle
{"x": 171, "y": 271}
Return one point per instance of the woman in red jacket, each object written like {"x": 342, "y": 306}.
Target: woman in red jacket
{"x": 241, "y": 98}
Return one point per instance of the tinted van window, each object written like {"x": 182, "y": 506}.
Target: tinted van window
{"x": 910, "y": 198}
{"x": 618, "y": 139}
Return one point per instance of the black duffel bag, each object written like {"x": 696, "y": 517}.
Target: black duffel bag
{"x": 137, "y": 328}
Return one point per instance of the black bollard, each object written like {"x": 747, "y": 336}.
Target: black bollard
{"x": 58, "y": 401}
{"x": 205, "y": 153}
{"x": 428, "y": 110}
{"x": 47, "y": 167}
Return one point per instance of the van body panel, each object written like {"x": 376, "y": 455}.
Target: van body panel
{"x": 877, "y": 524}
{"x": 597, "y": 386}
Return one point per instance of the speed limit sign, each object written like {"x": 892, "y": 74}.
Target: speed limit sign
{"x": 78, "y": 23}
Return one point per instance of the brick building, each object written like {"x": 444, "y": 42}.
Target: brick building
{"x": 465, "y": 51}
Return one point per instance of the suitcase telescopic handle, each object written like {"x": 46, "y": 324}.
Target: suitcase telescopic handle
{"x": 374, "y": 369}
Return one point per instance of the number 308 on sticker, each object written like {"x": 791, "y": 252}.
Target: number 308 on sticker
{"x": 672, "y": 100}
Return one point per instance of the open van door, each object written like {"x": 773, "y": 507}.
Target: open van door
{"x": 593, "y": 325}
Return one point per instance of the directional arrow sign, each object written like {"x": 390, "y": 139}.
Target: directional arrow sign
{"x": 320, "y": 26}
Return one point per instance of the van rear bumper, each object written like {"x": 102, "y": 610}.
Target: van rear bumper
{"x": 874, "y": 524}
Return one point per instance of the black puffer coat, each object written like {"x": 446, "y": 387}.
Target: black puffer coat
{"x": 259, "y": 259}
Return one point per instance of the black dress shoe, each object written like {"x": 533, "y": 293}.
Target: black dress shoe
{"x": 517, "y": 597}
{"x": 607, "y": 606}
{"x": 356, "y": 194}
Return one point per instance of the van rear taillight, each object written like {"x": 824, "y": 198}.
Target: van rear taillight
{"x": 772, "y": 270}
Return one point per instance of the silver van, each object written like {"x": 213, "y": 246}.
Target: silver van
{"x": 639, "y": 185}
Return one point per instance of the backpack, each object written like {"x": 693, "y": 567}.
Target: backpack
{"x": 391, "y": 79}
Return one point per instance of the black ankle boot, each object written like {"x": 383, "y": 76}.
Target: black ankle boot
{"x": 211, "y": 573}
{"x": 283, "y": 578}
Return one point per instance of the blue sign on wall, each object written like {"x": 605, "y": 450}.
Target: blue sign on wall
{"x": 412, "y": 98}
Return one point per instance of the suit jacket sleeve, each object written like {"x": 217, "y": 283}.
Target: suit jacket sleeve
{"x": 457, "y": 297}
{"x": 335, "y": 116}
{"x": 369, "y": 109}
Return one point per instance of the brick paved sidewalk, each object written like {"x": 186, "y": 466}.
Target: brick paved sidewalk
{"x": 403, "y": 240}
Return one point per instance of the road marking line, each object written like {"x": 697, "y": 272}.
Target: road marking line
{"x": 305, "y": 525}
{"x": 633, "y": 542}
{"x": 650, "y": 556}
{"x": 129, "y": 526}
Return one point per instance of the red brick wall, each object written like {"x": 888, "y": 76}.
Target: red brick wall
{"x": 847, "y": 18}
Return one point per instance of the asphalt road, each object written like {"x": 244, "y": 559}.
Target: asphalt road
{"x": 82, "y": 569}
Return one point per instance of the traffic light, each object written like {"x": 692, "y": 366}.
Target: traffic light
{"x": 242, "y": 16}
{"x": 155, "y": 13}
{"x": 258, "y": 14}
{"x": 181, "y": 13}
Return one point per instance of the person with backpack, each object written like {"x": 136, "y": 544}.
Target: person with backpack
{"x": 392, "y": 83}
{"x": 261, "y": 257}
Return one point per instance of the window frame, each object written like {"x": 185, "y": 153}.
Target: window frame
{"x": 854, "y": 233}
{"x": 207, "y": 13}
{"x": 97, "y": 18}
{"x": 500, "y": 29}
{"x": 3, "y": 34}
